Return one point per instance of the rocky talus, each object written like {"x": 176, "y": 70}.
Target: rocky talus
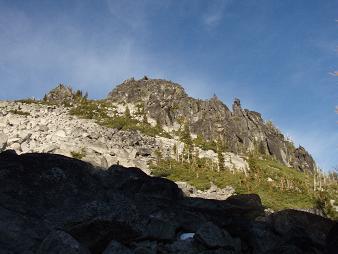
{"x": 55, "y": 204}
{"x": 51, "y": 129}
{"x": 241, "y": 130}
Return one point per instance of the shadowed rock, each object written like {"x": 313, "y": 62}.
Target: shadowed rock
{"x": 61, "y": 242}
{"x": 55, "y": 204}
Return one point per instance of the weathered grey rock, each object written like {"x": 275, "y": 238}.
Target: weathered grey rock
{"x": 3, "y": 141}
{"x": 304, "y": 160}
{"x": 187, "y": 189}
{"x": 60, "y": 95}
{"x": 98, "y": 147}
{"x": 98, "y": 161}
{"x": 24, "y": 136}
{"x": 49, "y": 148}
{"x": 14, "y": 121}
{"x": 3, "y": 122}
{"x": 162, "y": 230}
{"x": 115, "y": 247}
{"x": 42, "y": 128}
{"x": 61, "y": 242}
{"x": 52, "y": 130}
{"x": 146, "y": 247}
{"x": 293, "y": 223}
{"x": 241, "y": 130}
{"x": 25, "y": 148}
{"x": 16, "y": 147}
{"x": 212, "y": 193}
{"x": 181, "y": 247}
{"x": 60, "y": 134}
{"x": 212, "y": 236}
{"x": 332, "y": 239}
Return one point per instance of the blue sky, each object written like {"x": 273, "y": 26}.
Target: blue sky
{"x": 274, "y": 55}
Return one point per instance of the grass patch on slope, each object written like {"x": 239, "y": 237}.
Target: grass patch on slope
{"x": 103, "y": 113}
{"x": 19, "y": 112}
{"x": 278, "y": 186}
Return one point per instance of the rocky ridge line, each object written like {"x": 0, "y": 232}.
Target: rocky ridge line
{"x": 241, "y": 130}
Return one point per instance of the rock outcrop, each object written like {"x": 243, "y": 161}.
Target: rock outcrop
{"x": 212, "y": 193}
{"x": 60, "y": 95}
{"x": 50, "y": 129}
{"x": 241, "y": 130}
{"x": 54, "y": 204}
{"x": 160, "y": 102}
{"x": 3, "y": 141}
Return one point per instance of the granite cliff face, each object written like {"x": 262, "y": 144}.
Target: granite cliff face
{"x": 241, "y": 130}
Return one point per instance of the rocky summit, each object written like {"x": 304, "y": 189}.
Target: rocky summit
{"x": 55, "y": 204}
{"x": 240, "y": 130}
{"x": 66, "y": 122}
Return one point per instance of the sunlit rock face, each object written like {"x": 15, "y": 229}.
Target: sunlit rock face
{"x": 242, "y": 130}
{"x": 51, "y": 129}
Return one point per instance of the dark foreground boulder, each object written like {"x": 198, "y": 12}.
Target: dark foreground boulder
{"x": 61, "y": 242}
{"x": 55, "y": 204}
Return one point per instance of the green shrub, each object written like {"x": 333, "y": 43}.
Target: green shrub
{"x": 98, "y": 110}
{"x": 78, "y": 154}
{"x": 19, "y": 112}
{"x": 289, "y": 188}
{"x": 34, "y": 101}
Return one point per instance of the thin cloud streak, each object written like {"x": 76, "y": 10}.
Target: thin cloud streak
{"x": 215, "y": 12}
{"x": 34, "y": 52}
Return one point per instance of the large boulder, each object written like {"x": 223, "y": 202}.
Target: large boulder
{"x": 212, "y": 236}
{"x": 3, "y": 141}
{"x": 55, "y": 204}
{"x": 61, "y": 242}
{"x": 332, "y": 239}
{"x": 115, "y": 247}
{"x": 300, "y": 230}
{"x": 292, "y": 223}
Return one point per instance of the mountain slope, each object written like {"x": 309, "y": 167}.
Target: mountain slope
{"x": 156, "y": 126}
{"x": 241, "y": 131}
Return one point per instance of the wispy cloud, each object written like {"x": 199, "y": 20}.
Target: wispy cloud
{"x": 215, "y": 12}
{"x": 38, "y": 56}
{"x": 130, "y": 13}
{"x": 135, "y": 14}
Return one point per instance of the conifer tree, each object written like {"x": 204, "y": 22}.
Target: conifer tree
{"x": 127, "y": 112}
{"x": 186, "y": 138}
{"x": 220, "y": 149}
{"x": 185, "y": 135}
{"x": 145, "y": 119}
